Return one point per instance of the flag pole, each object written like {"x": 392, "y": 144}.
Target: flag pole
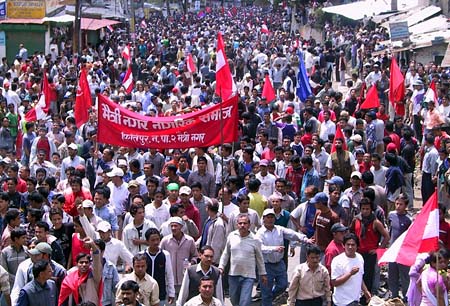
{"x": 221, "y": 148}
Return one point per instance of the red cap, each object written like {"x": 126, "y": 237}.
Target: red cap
{"x": 391, "y": 147}
{"x": 289, "y": 110}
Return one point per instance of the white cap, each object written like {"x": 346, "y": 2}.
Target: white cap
{"x": 103, "y": 226}
{"x": 115, "y": 172}
{"x": 73, "y": 146}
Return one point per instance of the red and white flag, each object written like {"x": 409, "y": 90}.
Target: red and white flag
{"x": 128, "y": 81}
{"x": 431, "y": 94}
{"x": 126, "y": 53}
{"x": 143, "y": 24}
{"x": 110, "y": 28}
{"x": 265, "y": 29}
{"x": 83, "y": 101}
{"x": 225, "y": 85}
{"x": 421, "y": 237}
{"x": 249, "y": 25}
{"x": 40, "y": 110}
{"x": 190, "y": 64}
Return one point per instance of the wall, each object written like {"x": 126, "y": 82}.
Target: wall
{"x": 425, "y": 55}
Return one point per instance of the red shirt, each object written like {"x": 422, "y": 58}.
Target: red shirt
{"x": 69, "y": 207}
{"x": 395, "y": 140}
{"x": 384, "y": 117}
{"x": 332, "y": 250}
{"x": 306, "y": 139}
{"x": 193, "y": 213}
{"x": 295, "y": 176}
{"x": 267, "y": 154}
{"x": 77, "y": 248}
{"x": 21, "y": 186}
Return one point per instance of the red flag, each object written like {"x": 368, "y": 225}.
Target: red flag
{"x": 83, "y": 100}
{"x": 396, "y": 83}
{"x": 371, "y": 100}
{"x": 126, "y": 54}
{"x": 40, "y": 110}
{"x": 234, "y": 11}
{"x": 421, "y": 237}
{"x": 190, "y": 64}
{"x": 128, "y": 81}
{"x": 340, "y": 135}
{"x": 225, "y": 86}
{"x": 265, "y": 29}
{"x": 268, "y": 91}
{"x": 143, "y": 24}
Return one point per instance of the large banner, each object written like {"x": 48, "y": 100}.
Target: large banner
{"x": 119, "y": 126}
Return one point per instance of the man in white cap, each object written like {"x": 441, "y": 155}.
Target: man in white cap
{"x": 272, "y": 239}
{"x": 114, "y": 247}
{"x": 73, "y": 160}
{"x": 182, "y": 249}
{"x": 119, "y": 194}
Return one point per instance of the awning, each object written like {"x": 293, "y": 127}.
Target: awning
{"x": 368, "y": 8}
{"x": 446, "y": 60}
{"x": 22, "y": 20}
{"x": 59, "y": 19}
{"x": 96, "y": 24}
{"x": 439, "y": 23}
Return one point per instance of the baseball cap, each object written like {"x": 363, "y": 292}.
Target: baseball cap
{"x": 391, "y": 147}
{"x": 177, "y": 220}
{"x": 356, "y": 138}
{"x": 320, "y": 197}
{"x": 338, "y": 227}
{"x": 41, "y": 248}
{"x": 115, "y": 172}
{"x": 185, "y": 190}
{"x": 356, "y": 173}
{"x": 121, "y": 162}
{"x": 173, "y": 186}
{"x": 88, "y": 204}
{"x": 133, "y": 183}
{"x": 336, "y": 180}
{"x": 73, "y": 146}
{"x": 268, "y": 211}
{"x": 103, "y": 226}
{"x": 264, "y": 162}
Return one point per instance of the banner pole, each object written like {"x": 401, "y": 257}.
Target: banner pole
{"x": 221, "y": 148}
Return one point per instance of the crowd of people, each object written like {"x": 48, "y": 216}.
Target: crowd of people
{"x": 87, "y": 223}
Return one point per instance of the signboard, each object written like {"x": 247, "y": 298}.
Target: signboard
{"x": 2, "y": 39}
{"x": 399, "y": 30}
{"x": 3, "y": 10}
{"x": 28, "y": 9}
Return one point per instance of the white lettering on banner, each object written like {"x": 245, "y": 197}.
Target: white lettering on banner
{"x": 114, "y": 116}
{"x": 133, "y": 122}
{"x": 215, "y": 115}
{"x": 198, "y": 137}
{"x": 173, "y": 124}
{"x": 145, "y": 140}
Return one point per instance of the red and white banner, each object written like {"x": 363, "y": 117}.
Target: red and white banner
{"x": 126, "y": 53}
{"x": 119, "y": 126}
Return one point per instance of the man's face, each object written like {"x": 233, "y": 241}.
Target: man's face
{"x": 206, "y": 288}
{"x": 153, "y": 241}
{"x": 41, "y": 157}
{"x": 207, "y": 257}
{"x": 269, "y": 220}
{"x": 335, "y": 195}
{"x": 140, "y": 215}
{"x": 105, "y": 236}
{"x": 350, "y": 247}
{"x": 313, "y": 260}
{"x": 11, "y": 186}
{"x": 196, "y": 192}
{"x": 366, "y": 210}
{"x": 83, "y": 264}
{"x": 243, "y": 225}
{"x": 56, "y": 221}
{"x": 201, "y": 166}
{"x": 176, "y": 228}
{"x": 140, "y": 267}
{"x": 40, "y": 233}
{"x": 244, "y": 205}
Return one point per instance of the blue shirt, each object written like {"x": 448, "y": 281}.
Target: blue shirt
{"x": 107, "y": 214}
{"x": 310, "y": 214}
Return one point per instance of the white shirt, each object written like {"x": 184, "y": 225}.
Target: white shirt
{"x": 119, "y": 196}
{"x": 115, "y": 249}
{"x": 130, "y": 232}
{"x": 379, "y": 176}
{"x": 267, "y": 184}
{"x": 228, "y": 209}
{"x": 69, "y": 162}
{"x": 327, "y": 128}
{"x": 157, "y": 215}
{"x": 350, "y": 290}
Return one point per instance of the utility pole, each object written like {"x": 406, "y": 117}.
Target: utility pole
{"x": 133, "y": 18}
{"x": 76, "y": 46}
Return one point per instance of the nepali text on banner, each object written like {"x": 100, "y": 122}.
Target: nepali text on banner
{"x": 122, "y": 127}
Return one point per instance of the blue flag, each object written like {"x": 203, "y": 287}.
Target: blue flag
{"x": 303, "y": 89}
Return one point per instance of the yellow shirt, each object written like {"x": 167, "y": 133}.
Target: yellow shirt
{"x": 258, "y": 202}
